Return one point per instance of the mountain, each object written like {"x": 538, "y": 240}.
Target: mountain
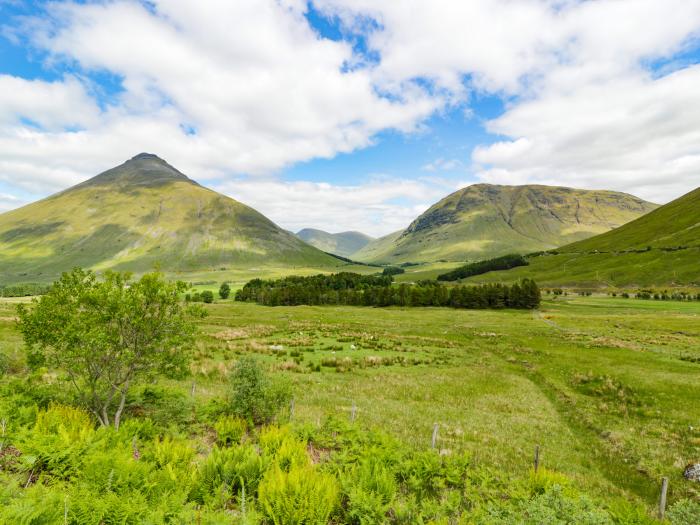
{"x": 139, "y": 214}
{"x": 484, "y": 220}
{"x": 343, "y": 244}
{"x": 661, "y": 248}
{"x": 377, "y": 249}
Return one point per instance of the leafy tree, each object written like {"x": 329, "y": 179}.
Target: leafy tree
{"x": 207, "y": 296}
{"x": 393, "y": 270}
{"x": 108, "y": 334}
{"x": 224, "y": 291}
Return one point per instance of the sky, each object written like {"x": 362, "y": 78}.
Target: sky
{"x": 352, "y": 114}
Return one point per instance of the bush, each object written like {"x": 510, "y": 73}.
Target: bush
{"x": 393, "y": 270}
{"x": 207, "y": 296}
{"x": 255, "y": 396}
{"x": 224, "y": 291}
{"x": 684, "y": 512}
{"x": 300, "y": 496}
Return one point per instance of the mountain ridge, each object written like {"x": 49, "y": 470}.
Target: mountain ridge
{"x": 344, "y": 244}
{"x": 486, "y": 220}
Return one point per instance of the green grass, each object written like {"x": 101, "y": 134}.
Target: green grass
{"x": 655, "y": 268}
{"x": 659, "y": 249}
{"x": 597, "y": 382}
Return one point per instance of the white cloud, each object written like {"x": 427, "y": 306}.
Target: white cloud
{"x": 262, "y": 91}
{"x": 378, "y": 207}
{"x": 633, "y": 134}
{"x": 441, "y": 164}
{"x": 586, "y": 111}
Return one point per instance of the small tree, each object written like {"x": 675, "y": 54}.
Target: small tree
{"x": 107, "y": 335}
{"x": 207, "y": 296}
{"x": 224, "y": 291}
{"x": 255, "y": 396}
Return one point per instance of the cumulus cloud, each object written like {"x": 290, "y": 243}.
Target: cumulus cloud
{"x": 223, "y": 88}
{"x": 380, "y": 206}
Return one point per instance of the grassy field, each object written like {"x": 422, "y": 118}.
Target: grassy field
{"x": 607, "y": 387}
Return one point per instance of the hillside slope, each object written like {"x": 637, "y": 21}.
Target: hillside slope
{"x": 137, "y": 215}
{"x": 661, "y": 248}
{"x": 343, "y": 244}
{"x": 484, "y": 220}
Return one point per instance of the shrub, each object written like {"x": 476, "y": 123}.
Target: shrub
{"x": 684, "y": 512}
{"x": 207, "y": 296}
{"x": 298, "y": 497}
{"x": 255, "y": 396}
{"x": 224, "y": 291}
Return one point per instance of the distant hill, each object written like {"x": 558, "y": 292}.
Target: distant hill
{"x": 661, "y": 248}
{"x": 344, "y": 244}
{"x": 483, "y": 221}
{"x": 139, "y": 214}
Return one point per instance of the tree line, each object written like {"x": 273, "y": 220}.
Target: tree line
{"x": 377, "y": 290}
{"x": 506, "y": 262}
{"x": 23, "y": 290}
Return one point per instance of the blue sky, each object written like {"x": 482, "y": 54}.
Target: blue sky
{"x": 352, "y": 115}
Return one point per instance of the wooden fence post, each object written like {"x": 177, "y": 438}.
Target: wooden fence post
{"x": 537, "y": 458}
{"x": 353, "y": 412}
{"x": 662, "y": 500}
{"x": 435, "y": 435}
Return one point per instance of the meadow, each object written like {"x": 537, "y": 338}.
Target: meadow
{"x": 606, "y": 387}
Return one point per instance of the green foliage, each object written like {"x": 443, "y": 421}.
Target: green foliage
{"x": 23, "y": 289}
{"x": 354, "y": 289}
{"x": 505, "y": 262}
{"x": 684, "y": 512}
{"x": 393, "y": 270}
{"x": 370, "y": 489}
{"x": 207, "y": 296}
{"x": 554, "y": 507}
{"x": 106, "y": 335}
{"x": 224, "y": 473}
{"x": 224, "y": 290}
{"x": 229, "y": 430}
{"x": 254, "y": 395}
{"x": 299, "y": 496}
{"x": 624, "y": 512}
{"x": 544, "y": 479}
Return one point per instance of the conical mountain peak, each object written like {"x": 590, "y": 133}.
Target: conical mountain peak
{"x": 144, "y": 169}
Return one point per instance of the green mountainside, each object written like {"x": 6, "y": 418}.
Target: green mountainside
{"x": 661, "y": 248}
{"x": 343, "y": 244}
{"x": 137, "y": 215}
{"x": 377, "y": 249}
{"x": 483, "y": 221}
